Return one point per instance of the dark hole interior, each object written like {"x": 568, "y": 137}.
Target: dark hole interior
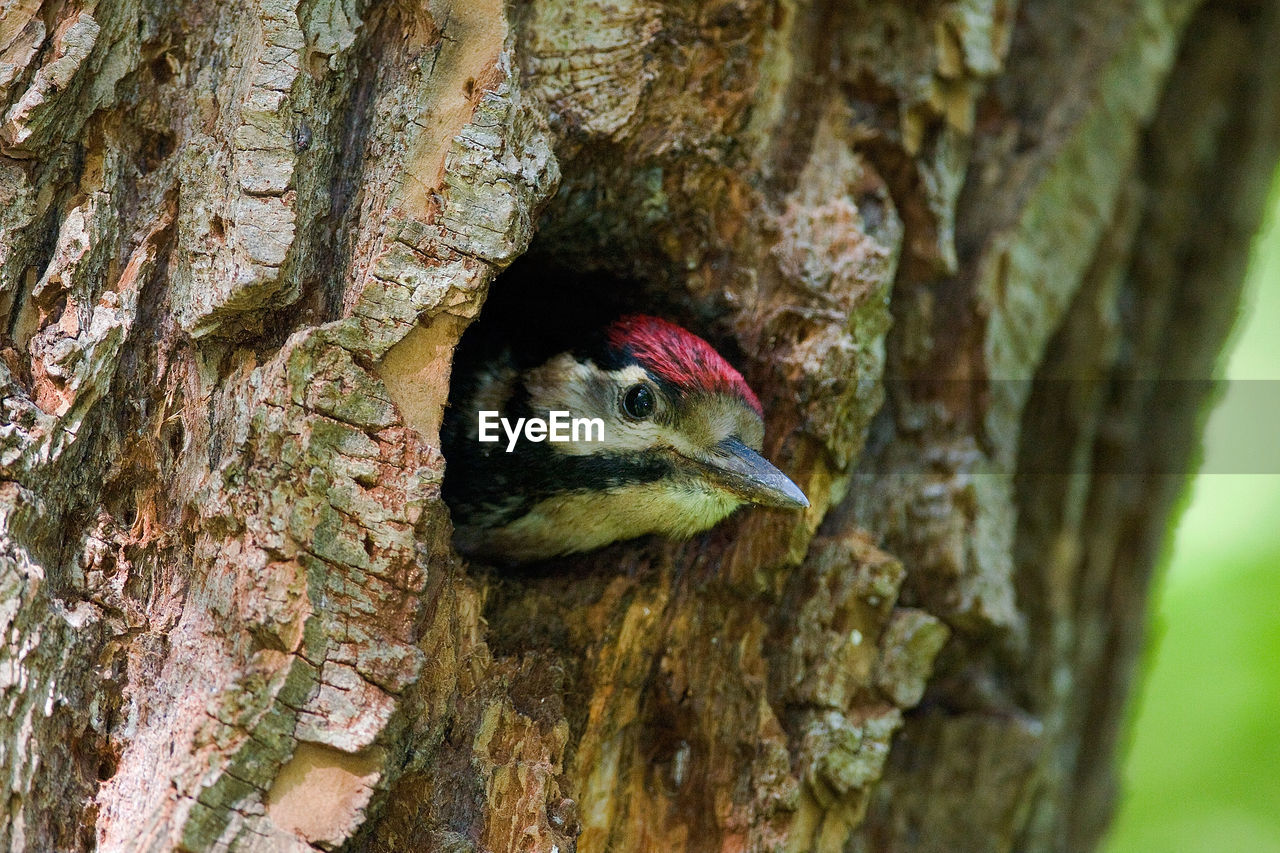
{"x": 540, "y": 308}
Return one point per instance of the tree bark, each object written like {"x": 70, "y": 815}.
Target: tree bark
{"x": 962, "y": 250}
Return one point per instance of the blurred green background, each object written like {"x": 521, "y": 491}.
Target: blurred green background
{"x": 1202, "y": 769}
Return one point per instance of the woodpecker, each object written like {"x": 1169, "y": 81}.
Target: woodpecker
{"x": 678, "y": 452}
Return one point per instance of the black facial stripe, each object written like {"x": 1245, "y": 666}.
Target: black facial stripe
{"x": 512, "y": 483}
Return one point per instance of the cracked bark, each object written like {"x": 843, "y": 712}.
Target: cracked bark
{"x": 238, "y": 242}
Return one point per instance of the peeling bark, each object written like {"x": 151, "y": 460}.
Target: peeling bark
{"x": 238, "y": 243}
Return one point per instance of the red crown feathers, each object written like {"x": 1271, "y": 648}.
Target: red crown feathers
{"x": 678, "y": 356}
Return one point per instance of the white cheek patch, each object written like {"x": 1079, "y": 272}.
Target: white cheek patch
{"x": 586, "y": 391}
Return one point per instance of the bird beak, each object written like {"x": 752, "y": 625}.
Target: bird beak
{"x": 741, "y": 471}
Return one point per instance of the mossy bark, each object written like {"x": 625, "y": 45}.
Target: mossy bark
{"x": 239, "y": 241}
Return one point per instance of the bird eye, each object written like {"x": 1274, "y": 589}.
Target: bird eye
{"x": 638, "y": 402}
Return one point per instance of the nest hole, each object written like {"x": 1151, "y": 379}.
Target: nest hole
{"x": 540, "y": 308}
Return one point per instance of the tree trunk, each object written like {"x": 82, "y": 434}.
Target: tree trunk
{"x": 960, "y": 249}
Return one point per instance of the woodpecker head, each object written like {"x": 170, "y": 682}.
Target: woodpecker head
{"x": 677, "y": 452}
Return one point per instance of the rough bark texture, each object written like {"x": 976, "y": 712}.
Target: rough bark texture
{"x": 238, "y": 242}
